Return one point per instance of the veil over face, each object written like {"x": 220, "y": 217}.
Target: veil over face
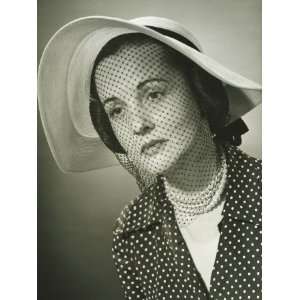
{"x": 151, "y": 107}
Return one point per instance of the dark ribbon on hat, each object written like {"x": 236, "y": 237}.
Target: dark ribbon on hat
{"x": 232, "y": 133}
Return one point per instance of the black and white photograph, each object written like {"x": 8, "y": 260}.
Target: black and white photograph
{"x": 149, "y": 170}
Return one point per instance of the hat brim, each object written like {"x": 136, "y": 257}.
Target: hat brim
{"x": 64, "y": 85}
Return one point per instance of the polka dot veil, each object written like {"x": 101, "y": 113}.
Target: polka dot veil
{"x": 158, "y": 121}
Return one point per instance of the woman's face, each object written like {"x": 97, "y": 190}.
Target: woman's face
{"x": 151, "y": 108}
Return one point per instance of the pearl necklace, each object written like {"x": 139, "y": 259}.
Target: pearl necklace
{"x": 189, "y": 205}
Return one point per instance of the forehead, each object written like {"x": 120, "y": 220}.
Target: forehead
{"x": 133, "y": 63}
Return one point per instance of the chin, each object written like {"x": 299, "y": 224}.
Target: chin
{"x": 160, "y": 166}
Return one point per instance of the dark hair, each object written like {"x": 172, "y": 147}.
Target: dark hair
{"x": 209, "y": 90}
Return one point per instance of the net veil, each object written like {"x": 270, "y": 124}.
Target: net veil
{"x": 158, "y": 122}
{"x": 143, "y": 179}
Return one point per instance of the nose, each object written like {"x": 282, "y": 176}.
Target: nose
{"x": 141, "y": 124}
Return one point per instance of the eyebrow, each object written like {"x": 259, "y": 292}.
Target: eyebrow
{"x": 143, "y": 83}
{"x": 111, "y": 99}
{"x": 139, "y": 86}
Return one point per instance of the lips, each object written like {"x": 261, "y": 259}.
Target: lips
{"x": 153, "y": 146}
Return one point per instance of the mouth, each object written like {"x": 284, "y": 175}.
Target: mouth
{"x": 153, "y": 147}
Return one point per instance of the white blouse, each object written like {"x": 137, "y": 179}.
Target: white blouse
{"x": 202, "y": 238}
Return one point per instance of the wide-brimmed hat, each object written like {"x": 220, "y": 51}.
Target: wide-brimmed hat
{"x": 64, "y": 84}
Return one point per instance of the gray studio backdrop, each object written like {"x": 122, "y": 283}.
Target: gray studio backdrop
{"x": 76, "y": 212}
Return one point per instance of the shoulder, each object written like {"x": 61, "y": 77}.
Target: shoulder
{"x": 243, "y": 190}
{"x": 238, "y": 159}
{"x": 140, "y": 212}
{"x": 125, "y": 216}
{"x": 243, "y": 168}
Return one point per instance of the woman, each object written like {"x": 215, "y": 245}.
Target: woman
{"x": 164, "y": 109}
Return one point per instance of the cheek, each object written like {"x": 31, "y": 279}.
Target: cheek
{"x": 126, "y": 138}
{"x": 122, "y": 134}
{"x": 178, "y": 114}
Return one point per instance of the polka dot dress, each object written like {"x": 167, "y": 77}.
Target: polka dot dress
{"x": 153, "y": 261}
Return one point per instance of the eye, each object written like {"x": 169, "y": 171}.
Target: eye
{"x": 156, "y": 95}
{"x": 116, "y": 111}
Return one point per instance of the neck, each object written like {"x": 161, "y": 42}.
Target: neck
{"x": 195, "y": 169}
